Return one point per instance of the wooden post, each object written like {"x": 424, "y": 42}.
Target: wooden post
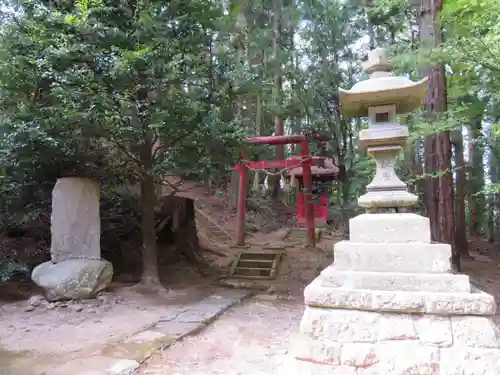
{"x": 308, "y": 204}
{"x": 242, "y": 203}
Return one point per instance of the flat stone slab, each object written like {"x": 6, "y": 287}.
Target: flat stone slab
{"x": 94, "y": 365}
{"x": 446, "y": 282}
{"x": 476, "y": 303}
{"x": 410, "y": 257}
{"x": 177, "y": 329}
{"x": 123, "y": 367}
{"x": 138, "y": 347}
{"x": 123, "y": 357}
{"x": 390, "y": 228}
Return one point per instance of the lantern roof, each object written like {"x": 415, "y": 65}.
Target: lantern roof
{"x": 382, "y": 88}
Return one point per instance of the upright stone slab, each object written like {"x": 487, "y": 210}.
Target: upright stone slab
{"x": 391, "y": 303}
{"x": 76, "y": 270}
{"x": 75, "y": 221}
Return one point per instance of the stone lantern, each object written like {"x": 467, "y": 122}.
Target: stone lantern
{"x": 391, "y": 303}
{"x": 380, "y": 98}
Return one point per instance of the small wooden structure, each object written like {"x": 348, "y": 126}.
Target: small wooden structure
{"x": 256, "y": 264}
{"x": 320, "y": 197}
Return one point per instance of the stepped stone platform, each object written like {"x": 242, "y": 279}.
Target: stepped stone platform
{"x": 391, "y": 304}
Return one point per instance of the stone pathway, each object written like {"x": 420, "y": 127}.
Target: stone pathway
{"x": 122, "y": 357}
{"x": 251, "y": 339}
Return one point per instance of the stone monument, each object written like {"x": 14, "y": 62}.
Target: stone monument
{"x": 391, "y": 304}
{"x": 76, "y": 269}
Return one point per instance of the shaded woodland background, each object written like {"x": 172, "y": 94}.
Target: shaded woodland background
{"x": 135, "y": 92}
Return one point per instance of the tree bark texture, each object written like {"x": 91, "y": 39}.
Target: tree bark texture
{"x": 240, "y": 46}
{"x": 460, "y": 184}
{"x": 279, "y": 128}
{"x": 150, "y": 275}
{"x": 494, "y": 198}
{"x": 439, "y": 191}
{"x": 476, "y": 200}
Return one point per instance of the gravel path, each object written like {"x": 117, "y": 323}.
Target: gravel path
{"x": 251, "y": 339}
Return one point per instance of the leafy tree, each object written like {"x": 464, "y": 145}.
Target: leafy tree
{"x": 122, "y": 84}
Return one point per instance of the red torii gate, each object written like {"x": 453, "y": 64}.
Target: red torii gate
{"x": 305, "y": 161}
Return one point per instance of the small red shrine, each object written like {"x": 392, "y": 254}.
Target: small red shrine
{"x": 302, "y": 166}
{"x": 320, "y": 198}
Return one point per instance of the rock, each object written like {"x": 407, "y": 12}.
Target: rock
{"x": 123, "y": 367}
{"x": 271, "y": 290}
{"x": 29, "y": 308}
{"x": 51, "y": 306}
{"x": 35, "y": 301}
{"x": 105, "y": 299}
{"x": 94, "y": 303}
{"x": 118, "y": 299}
{"x": 75, "y": 220}
{"x": 73, "y": 279}
{"x": 76, "y": 307}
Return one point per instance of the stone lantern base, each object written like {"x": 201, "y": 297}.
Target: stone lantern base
{"x": 391, "y": 305}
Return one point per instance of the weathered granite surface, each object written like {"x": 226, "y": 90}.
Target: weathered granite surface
{"x": 76, "y": 270}
{"x": 75, "y": 221}
{"x": 72, "y": 279}
{"x": 395, "y": 308}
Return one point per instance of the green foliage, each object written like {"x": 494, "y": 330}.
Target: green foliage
{"x": 9, "y": 270}
{"x": 98, "y": 87}
{"x": 92, "y": 84}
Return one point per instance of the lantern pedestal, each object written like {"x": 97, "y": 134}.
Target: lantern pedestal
{"x": 391, "y": 304}
{"x": 386, "y": 190}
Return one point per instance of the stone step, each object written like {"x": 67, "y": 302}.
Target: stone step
{"x": 256, "y": 264}
{"x": 474, "y": 303}
{"x": 446, "y": 282}
{"x": 390, "y": 228}
{"x": 412, "y": 257}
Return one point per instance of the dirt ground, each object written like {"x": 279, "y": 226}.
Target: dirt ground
{"x": 75, "y": 329}
{"x": 251, "y": 339}
{"x": 259, "y": 333}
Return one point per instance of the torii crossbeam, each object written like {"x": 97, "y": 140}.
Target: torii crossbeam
{"x": 305, "y": 161}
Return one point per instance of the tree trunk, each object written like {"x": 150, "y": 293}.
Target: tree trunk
{"x": 439, "y": 191}
{"x": 492, "y": 214}
{"x": 493, "y": 197}
{"x": 259, "y": 131}
{"x": 277, "y": 90}
{"x": 460, "y": 183}
{"x": 431, "y": 186}
{"x": 234, "y": 188}
{"x": 416, "y": 168}
{"x": 369, "y": 24}
{"x": 477, "y": 205}
{"x": 150, "y": 274}
{"x": 239, "y": 46}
